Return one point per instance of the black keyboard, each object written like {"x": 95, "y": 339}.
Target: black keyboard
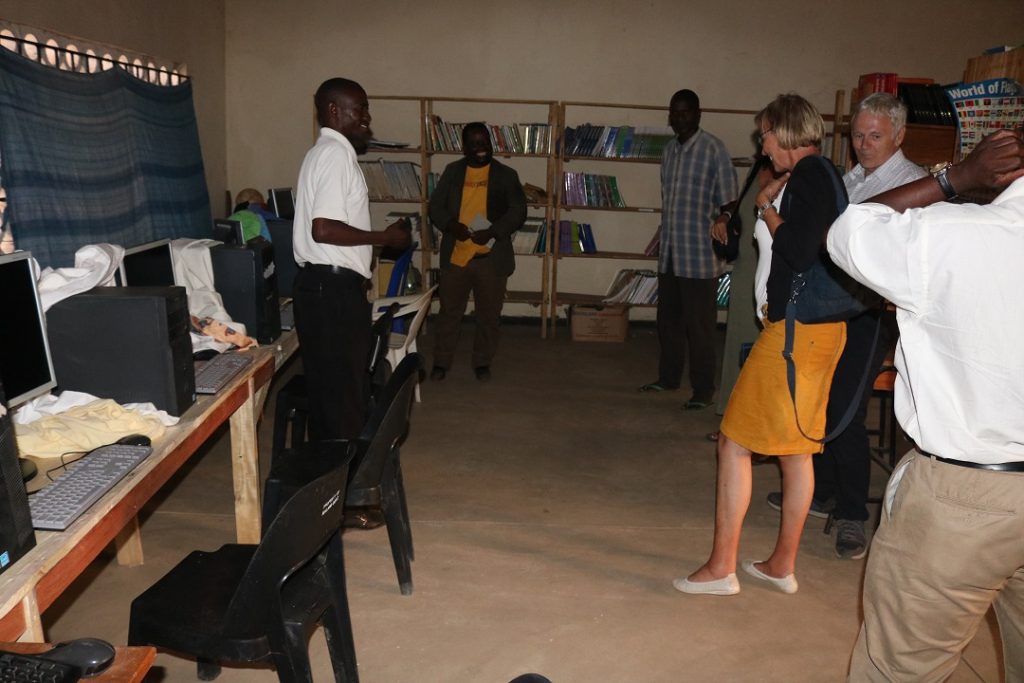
{"x": 214, "y": 374}
{"x": 18, "y": 667}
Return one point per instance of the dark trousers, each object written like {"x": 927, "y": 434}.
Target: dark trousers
{"x": 687, "y": 312}
{"x": 332, "y": 318}
{"x": 844, "y": 469}
{"x": 488, "y": 288}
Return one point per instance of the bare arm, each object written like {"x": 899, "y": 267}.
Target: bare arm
{"x": 995, "y": 163}
{"x": 329, "y": 231}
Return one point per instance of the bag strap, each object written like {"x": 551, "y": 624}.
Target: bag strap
{"x": 787, "y": 353}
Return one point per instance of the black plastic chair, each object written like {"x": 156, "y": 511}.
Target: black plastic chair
{"x": 375, "y": 480}
{"x": 291, "y": 407}
{"x": 249, "y": 603}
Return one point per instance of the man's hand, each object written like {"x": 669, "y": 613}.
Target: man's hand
{"x": 482, "y": 236}
{"x": 398, "y": 235}
{"x": 460, "y": 230}
{"x": 996, "y": 162}
{"x": 720, "y": 229}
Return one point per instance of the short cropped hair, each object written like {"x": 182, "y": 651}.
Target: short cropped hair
{"x": 793, "y": 120}
{"x": 687, "y": 96}
{"x": 884, "y": 104}
{"x": 474, "y": 125}
{"x": 328, "y": 91}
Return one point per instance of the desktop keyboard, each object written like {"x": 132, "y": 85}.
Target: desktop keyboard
{"x": 85, "y": 481}
{"x": 19, "y": 667}
{"x": 213, "y": 374}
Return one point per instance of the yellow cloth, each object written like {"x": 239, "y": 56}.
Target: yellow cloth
{"x": 474, "y": 203}
{"x": 760, "y": 415}
{"x": 83, "y": 428}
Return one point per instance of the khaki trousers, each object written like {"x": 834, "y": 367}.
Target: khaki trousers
{"x": 951, "y": 543}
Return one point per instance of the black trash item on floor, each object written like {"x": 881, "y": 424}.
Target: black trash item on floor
{"x": 291, "y": 407}
{"x": 376, "y": 470}
{"x": 249, "y": 603}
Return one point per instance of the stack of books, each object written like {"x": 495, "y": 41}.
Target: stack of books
{"x": 575, "y": 238}
{"x": 517, "y": 138}
{"x": 617, "y": 142}
{"x": 391, "y": 180}
{"x": 531, "y": 238}
{"x": 633, "y": 287}
{"x": 588, "y": 189}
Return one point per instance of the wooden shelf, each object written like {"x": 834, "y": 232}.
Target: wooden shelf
{"x": 633, "y": 209}
{"x": 622, "y": 255}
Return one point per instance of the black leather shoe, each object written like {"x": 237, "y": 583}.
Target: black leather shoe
{"x": 483, "y": 373}
{"x": 438, "y": 373}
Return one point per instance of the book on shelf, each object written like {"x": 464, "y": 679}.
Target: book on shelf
{"x": 653, "y": 247}
{"x": 630, "y": 286}
{"x": 515, "y": 138}
{"x": 927, "y": 104}
{"x": 575, "y": 238}
{"x": 590, "y": 189}
{"x": 529, "y": 239}
{"x": 391, "y": 180}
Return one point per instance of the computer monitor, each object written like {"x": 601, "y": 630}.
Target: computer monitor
{"x": 228, "y": 231}
{"x": 148, "y": 265}
{"x": 26, "y": 367}
{"x": 282, "y": 202}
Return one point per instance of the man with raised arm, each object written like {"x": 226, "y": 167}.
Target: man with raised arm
{"x": 950, "y": 541}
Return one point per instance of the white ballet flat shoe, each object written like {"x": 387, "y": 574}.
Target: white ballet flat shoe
{"x": 787, "y": 584}
{"x": 730, "y": 585}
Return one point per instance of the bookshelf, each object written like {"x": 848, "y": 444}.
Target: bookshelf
{"x": 621, "y": 233}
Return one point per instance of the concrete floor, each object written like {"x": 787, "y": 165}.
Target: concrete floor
{"x": 551, "y": 509}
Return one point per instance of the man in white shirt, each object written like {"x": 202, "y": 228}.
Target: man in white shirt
{"x": 333, "y": 246}
{"x": 951, "y": 540}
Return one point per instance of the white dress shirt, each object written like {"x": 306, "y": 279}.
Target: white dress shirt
{"x": 956, "y": 276}
{"x": 897, "y": 170}
{"x": 331, "y": 185}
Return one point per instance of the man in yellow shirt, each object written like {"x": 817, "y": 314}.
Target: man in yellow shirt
{"x": 478, "y": 205}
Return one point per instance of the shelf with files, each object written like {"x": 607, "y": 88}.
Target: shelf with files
{"x": 522, "y": 133}
{"x": 624, "y": 142}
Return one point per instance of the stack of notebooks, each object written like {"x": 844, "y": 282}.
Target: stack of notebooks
{"x": 531, "y": 238}
{"x": 575, "y": 238}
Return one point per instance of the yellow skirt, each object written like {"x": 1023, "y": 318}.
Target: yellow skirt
{"x": 760, "y": 415}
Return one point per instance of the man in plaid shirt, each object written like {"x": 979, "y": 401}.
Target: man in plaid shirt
{"x": 698, "y": 190}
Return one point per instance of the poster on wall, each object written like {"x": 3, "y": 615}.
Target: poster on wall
{"x": 984, "y": 107}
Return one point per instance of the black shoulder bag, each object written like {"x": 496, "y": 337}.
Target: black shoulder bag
{"x": 821, "y": 294}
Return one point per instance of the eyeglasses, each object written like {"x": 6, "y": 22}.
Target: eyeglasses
{"x": 762, "y": 134}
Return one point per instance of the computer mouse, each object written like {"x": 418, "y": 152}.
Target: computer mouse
{"x": 135, "y": 440}
{"x": 89, "y": 655}
{"x": 205, "y": 354}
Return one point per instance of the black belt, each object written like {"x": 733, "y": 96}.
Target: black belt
{"x": 334, "y": 270}
{"x": 994, "y": 467}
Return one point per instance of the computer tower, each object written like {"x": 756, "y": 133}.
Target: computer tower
{"x": 246, "y": 279}
{"x": 284, "y": 256}
{"x": 16, "y": 535}
{"x": 130, "y": 344}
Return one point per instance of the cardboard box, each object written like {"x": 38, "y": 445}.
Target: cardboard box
{"x": 599, "y": 323}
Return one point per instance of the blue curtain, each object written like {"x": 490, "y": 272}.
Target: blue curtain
{"x": 100, "y": 157}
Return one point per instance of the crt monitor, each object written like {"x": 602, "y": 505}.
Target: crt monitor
{"x": 148, "y": 265}
{"x": 282, "y": 202}
{"x": 26, "y": 367}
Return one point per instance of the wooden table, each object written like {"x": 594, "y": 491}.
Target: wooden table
{"x": 130, "y": 663}
{"x": 35, "y": 581}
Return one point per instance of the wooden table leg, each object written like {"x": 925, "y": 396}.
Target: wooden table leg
{"x": 33, "y": 620}
{"x": 245, "y": 470}
{"x": 129, "y": 545}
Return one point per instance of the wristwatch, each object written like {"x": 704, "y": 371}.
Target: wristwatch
{"x": 763, "y": 209}
{"x": 939, "y": 173}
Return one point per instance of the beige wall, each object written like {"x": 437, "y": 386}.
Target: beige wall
{"x": 735, "y": 55}
{"x": 189, "y": 31}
